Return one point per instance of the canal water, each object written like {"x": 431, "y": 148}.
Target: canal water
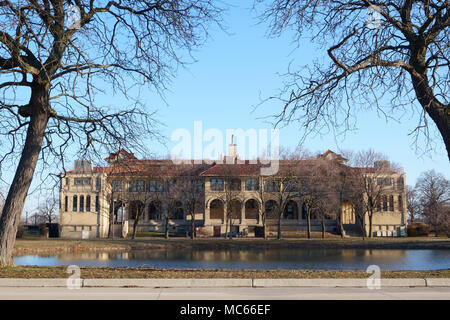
{"x": 297, "y": 259}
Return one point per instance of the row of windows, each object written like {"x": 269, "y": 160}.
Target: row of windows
{"x": 81, "y": 203}
{"x": 217, "y": 184}
{"x": 387, "y": 203}
{"x": 85, "y": 182}
{"x": 389, "y": 182}
{"x": 152, "y": 185}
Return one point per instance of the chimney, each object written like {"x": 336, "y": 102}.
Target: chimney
{"x": 232, "y": 148}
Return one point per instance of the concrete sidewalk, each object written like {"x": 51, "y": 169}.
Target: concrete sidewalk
{"x": 241, "y": 294}
{"x": 223, "y": 283}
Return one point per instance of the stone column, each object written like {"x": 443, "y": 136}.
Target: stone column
{"x": 206, "y": 214}
{"x": 243, "y": 213}
{"x": 146, "y": 217}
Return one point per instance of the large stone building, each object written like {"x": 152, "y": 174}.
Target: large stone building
{"x": 129, "y": 188}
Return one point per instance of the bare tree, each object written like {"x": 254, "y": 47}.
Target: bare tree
{"x": 232, "y": 189}
{"x": 193, "y": 196}
{"x": 412, "y": 204}
{"x": 341, "y": 182}
{"x": 328, "y": 201}
{"x": 54, "y": 65}
{"x": 49, "y": 210}
{"x": 373, "y": 179}
{"x": 283, "y": 187}
{"x": 137, "y": 197}
{"x": 384, "y": 55}
{"x": 170, "y": 197}
{"x": 434, "y": 193}
{"x": 261, "y": 194}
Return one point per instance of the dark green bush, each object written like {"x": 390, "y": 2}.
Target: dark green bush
{"x": 418, "y": 229}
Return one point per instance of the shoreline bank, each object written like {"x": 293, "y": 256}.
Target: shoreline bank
{"x": 24, "y": 246}
{"x": 47, "y": 272}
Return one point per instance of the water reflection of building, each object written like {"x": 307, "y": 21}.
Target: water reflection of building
{"x": 92, "y": 197}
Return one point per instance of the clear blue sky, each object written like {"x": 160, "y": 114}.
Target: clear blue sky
{"x": 234, "y": 70}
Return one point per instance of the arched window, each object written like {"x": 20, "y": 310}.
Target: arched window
{"x": 75, "y": 202}
{"x": 216, "y": 209}
{"x": 251, "y": 209}
{"x": 154, "y": 210}
{"x": 178, "y": 212}
{"x": 290, "y": 211}
{"x": 270, "y": 208}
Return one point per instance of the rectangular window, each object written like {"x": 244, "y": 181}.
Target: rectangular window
{"x": 384, "y": 181}
{"x": 385, "y": 205}
{"x": 137, "y": 186}
{"x": 117, "y": 185}
{"x": 155, "y": 186}
{"x": 88, "y": 203}
{"x": 66, "y": 203}
{"x": 251, "y": 184}
{"x": 81, "y": 203}
{"x": 82, "y": 181}
{"x": 98, "y": 184}
{"x": 272, "y": 186}
{"x": 97, "y": 204}
{"x": 198, "y": 185}
{"x": 400, "y": 184}
{"x": 74, "y": 203}
{"x": 216, "y": 184}
{"x": 290, "y": 186}
{"x": 391, "y": 203}
{"x": 235, "y": 184}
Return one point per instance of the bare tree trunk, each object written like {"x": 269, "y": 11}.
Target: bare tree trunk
{"x": 323, "y": 226}
{"x": 279, "y": 227}
{"x": 192, "y": 226}
{"x": 436, "y": 110}
{"x": 230, "y": 234}
{"x": 370, "y": 224}
{"x": 226, "y": 226}
{"x": 363, "y": 229}
{"x": 166, "y": 229}
{"x": 111, "y": 221}
{"x": 135, "y": 224}
{"x": 15, "y": 200}
{"x": 339, "y": 223}
{"x": 308, "y": 219}
{"x": 265, "y": 228}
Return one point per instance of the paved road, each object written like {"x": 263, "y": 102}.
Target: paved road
{"x": 225, "y": 293}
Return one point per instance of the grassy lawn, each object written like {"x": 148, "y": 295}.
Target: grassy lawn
{"x": 23, "y": 246}
{"x": 109, "y": 273}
